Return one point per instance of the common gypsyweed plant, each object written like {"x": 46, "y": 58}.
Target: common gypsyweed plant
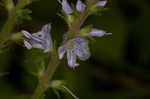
{"x": 75, "y": 41}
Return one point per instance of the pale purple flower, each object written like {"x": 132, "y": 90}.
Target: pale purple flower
{"x": 101, "y": 3}
{"x": 98, "y": 33}
{"x": 66, "y": 6}
{"x": 75, "y": 47}
{"x": 41, "y": 39}
{"x": 80, "y": 6}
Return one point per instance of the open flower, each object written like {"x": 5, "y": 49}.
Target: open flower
{"x": 98, "y": 33}
{"x": 41, "y": 39}
{"x": 75, "y": 47}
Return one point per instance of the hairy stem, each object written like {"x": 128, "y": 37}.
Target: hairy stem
{"x": 76, "y": 25}
{"x": 9, "y": 25}
{"x": 47, "y": 76}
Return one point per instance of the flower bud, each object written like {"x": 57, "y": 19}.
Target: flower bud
{"x": 66, "y": 7}
{"x": 80, "y": 6}
{"x": 98, "y": 6}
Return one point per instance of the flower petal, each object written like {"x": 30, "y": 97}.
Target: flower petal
{"x": 97, "y": 32}
{"x": 66, "y": 7}
{"x": 81, "y": 49}
{"x": 36, "y": 44}
{"x": 27, "y": 45}
{"x": 41, "y": 39}
{"x": 80, "y": 6}
{"x": 44, "y": 38}
{"x": 26, "y": 34}
{"x": 61, "y": 51}
{"x": 46, "y": 28}
{"x": 101, "y": 3}
{"x": 49, "y": 44}
{"x": 82, "y": 53}
{"x": 38, "y": 37}
{"x": 71, "y": 59}
{"x": 43, "y": 34}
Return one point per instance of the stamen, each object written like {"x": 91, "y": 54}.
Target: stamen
{"x": 70, "y": 92}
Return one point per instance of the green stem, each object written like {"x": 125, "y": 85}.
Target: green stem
{"x": 5, "y": 34}
{"x": 76, "y": 25}
{"x": 44, "y": 80}
{"x": 47, "y": 76}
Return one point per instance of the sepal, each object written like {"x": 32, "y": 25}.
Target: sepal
{"x": 59, "y": 85}
{"x": 86, "y": 30}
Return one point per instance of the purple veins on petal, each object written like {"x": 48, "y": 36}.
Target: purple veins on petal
{"x": 97, "y": 32}
{"x": 41, "y": 39}
{"x": 26, "y": 34}
{"x": 66, "y": 7}
{"x": 101, "y": 3}
{"x": 82, "y": 53}
{"x": 81, "y": 48}
{"x": 27, "y": 45}
{"x": 75, "y": 47}
{"x": 36, "y": 44}
{"x": 80, "y": 6}
{"x": 43, "y": 34}
{"x": 46, "y": 28}
{"x": 61, "y": 51}
{"x": 71, "y": 59}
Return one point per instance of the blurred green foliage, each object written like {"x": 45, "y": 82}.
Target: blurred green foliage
{"x": 117, "y": 69}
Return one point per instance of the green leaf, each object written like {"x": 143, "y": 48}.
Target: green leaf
{"x": 86, "y": 29}
{"x": 97, "y": 10}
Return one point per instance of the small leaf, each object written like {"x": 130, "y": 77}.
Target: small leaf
{"x": 57, "y": 85}
{"x": 86, "y": 29}
{"x": 97, "y": 10}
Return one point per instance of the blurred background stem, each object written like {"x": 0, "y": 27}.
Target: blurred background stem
{"x": 12, "y": 14}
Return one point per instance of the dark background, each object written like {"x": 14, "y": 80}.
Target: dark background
{"x": 117, "y": 69}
